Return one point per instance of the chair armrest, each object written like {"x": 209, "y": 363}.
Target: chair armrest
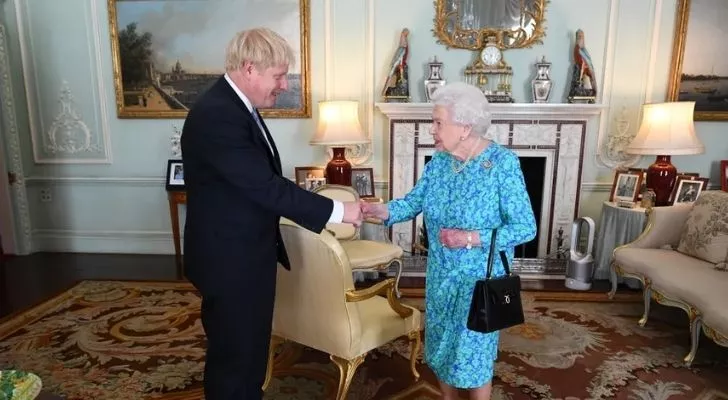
{"x": 385, "y": 286}
{"x": 664, "y": 226}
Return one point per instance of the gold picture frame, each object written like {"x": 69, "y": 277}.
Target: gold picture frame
{"x": 169, "y": 91}
{"x": 705, "y": 85}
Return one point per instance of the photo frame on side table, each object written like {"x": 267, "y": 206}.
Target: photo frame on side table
{"x": 362, "y": 180}
{"x": 626, "y": 186}
{"x": 310, "y": 177}
{"x": 175, "y": 175}
{"x": 687, "y": 189}
{"x": 724, "y": 175}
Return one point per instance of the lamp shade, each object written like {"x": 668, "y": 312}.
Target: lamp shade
{"x": 667, "y": 129}
{"x": 338, "y": 124}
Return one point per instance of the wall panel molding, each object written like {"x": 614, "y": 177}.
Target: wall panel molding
{"x": 96, "y": 181}
{"x": 159, "y": 182}
{"x": 64, "y": 132}
{"x": 101, "y": 241}
{"x": 11, "y": 140}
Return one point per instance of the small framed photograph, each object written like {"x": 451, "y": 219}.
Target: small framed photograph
{"x": 626, "y": 186}
{"x": 362, "y": 180}
{"x": 643, "y": 185}
{"x": 687, "y": 190}
{"x": 313, "y": 183}
{"x": 175, "y": 175}
{"x": 310, "y": 177}
{"x": 724, "y": 175}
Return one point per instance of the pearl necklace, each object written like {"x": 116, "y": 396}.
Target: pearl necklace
{"x": 460, "y": 169}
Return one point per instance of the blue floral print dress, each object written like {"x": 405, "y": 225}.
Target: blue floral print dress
{"x": 488, "y": 193}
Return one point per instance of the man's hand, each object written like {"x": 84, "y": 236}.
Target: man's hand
{"x": 374, "y": 210}
{"x": 352, "y": 213}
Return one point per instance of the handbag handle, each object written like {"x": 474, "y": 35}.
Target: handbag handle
{"x": 503, "y": 257}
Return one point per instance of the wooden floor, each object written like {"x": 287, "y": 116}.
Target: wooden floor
{"x": 28, "y": 280}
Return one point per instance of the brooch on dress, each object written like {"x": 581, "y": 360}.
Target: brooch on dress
{"x": 486, "y": 164}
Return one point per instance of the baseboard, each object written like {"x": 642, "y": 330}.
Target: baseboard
{"x": 74, "y": 241}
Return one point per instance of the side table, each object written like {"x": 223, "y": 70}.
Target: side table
{"x": 617, "y": 226}
{"x": 176, "y": 198}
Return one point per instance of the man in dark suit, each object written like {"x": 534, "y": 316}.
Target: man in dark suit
{"x": 236, "y": 195}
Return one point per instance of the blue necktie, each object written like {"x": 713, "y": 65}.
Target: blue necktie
{"x": 262, "y": 130}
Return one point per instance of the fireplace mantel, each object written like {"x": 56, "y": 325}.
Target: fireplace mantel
{"x": 558, "y": 111}
{"x": 555, "y": 132}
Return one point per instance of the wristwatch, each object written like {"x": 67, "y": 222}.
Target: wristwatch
{"x": 470, "y": 241}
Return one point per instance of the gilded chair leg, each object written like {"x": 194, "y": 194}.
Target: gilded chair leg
{"x": 415, "y": 343}
{"x": 647, "y": 299}
{"x": 695, "y": 324}
{"x": 347, "y": 369}
{"x": 613, "y": 279}
{"x": 274, "y": 343}
{"x": 397, "y": 276}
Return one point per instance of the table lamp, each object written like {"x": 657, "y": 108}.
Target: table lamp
{"x": 338, "y": 127}
{"x": 667, "y": 129}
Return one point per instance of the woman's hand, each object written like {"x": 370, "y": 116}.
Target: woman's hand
{"x": 458, "y": 238}
{"x": 374, "y": 210}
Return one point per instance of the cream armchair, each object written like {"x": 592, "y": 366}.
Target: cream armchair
{"x": 317, "y": 306}
{"x": 364, "y": 255}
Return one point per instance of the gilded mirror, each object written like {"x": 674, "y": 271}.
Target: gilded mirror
{"x": 467, "y": 24}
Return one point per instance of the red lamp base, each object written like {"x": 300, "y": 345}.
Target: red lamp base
{"x": 338, "y": 170}
{"x": 661, "y": 178}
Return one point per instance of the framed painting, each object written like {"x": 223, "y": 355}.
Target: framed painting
{"x": 166, "y": 53}
{"x": 699, "y": 68}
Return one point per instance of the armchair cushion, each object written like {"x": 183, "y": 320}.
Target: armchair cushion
{"x": 380, "y": 324}
{"x": 369, "y": 253}
{"x": 705, "y": 233}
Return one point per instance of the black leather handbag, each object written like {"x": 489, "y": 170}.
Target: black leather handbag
{"x": 496, "y": 302}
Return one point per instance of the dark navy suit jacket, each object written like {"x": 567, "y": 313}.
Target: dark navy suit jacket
{"x": 236, "y": 194}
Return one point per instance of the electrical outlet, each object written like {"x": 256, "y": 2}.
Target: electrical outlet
{"x": 45, "y": 195}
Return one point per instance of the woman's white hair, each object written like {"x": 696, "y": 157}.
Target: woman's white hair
{"x": 467, "y": 105}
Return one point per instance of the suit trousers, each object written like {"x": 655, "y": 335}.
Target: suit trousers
{"x": 238, "y": 329}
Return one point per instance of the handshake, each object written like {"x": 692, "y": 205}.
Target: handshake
{"x": 355, "y": 213}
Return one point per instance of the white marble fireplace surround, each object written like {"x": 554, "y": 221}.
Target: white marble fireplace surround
{"x": 554, "y": 131}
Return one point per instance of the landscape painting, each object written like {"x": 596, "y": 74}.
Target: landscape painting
{"x": 166, "y": 53}
{"x": 699, "y": 70}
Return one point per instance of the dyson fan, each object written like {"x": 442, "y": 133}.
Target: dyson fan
{"x": 580, "y": 269}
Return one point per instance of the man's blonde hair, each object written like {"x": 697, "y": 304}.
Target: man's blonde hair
{"x": 262, "y": 47}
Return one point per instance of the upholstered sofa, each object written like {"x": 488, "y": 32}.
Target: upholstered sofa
{"x": 680, "y": 258}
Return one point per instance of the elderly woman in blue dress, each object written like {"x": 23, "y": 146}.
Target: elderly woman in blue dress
{"x": 470, "y": 187}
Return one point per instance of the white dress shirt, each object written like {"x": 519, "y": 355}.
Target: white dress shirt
{"x": 337, "y": 215}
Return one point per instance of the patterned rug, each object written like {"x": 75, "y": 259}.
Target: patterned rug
{"x": 143, "y": 340}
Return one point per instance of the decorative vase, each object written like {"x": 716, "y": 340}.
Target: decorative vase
{"x": 541, "y": 85}
{"x": 434, "y": 79}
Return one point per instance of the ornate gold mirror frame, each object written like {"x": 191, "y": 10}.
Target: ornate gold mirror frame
{"x": 449, "y": 29}
{"x": 703, "y": 84}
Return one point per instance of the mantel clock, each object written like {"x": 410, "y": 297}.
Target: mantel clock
{"x": 491, "y": 74}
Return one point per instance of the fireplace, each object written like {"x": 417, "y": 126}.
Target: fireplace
{"x": 549, "y": 141}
